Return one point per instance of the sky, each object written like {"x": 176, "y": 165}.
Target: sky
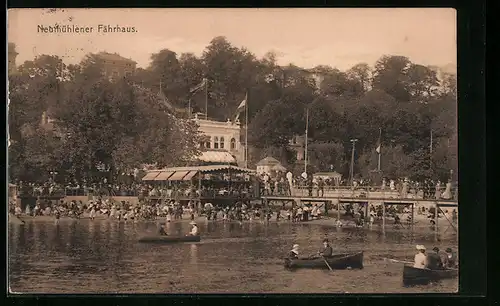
{"x": 306, "y": 37}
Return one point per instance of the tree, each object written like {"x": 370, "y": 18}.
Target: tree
{"x": 390, "y": 76}
{"x": 362, "y": 73}
{"x": 231, "y": 72}
{"x": 276, "y": 123}
{"x": 325, "y": 124}
{"x": 325, "y": 155}
{"x": 422, "y": 83}
{"x": 167, "y": 74}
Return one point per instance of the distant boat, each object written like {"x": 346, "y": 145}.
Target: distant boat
{"x": 337, "y": 261}
{"x": 169, "y": 239}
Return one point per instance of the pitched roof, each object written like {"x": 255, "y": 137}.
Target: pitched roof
{"x": 114, "y": 57}
{"x": 268, "y": 161}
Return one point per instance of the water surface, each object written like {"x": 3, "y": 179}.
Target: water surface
{"x": 84, "y": 256}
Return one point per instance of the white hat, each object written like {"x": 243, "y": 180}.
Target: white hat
{"x": 295, "y": 246}
{"x": 420, "y": 247}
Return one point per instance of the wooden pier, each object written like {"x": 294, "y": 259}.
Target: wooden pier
{"x": 365, "y": 202}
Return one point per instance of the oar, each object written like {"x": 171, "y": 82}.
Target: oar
{"x": 397, "y": 261}
{"x": 327, "y": 264}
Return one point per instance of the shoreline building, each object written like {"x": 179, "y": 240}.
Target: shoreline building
{"x": 115, "y": 65}
{"x": 222, "y": 141}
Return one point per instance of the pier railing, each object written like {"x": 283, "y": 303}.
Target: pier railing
{"x": 364, "y": 192}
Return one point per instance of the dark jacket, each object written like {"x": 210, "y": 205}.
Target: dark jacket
{"x": 326, "y": 251}
{"x": 162, "y": 232}
{"x": 292, "y": 254}
{"x": 450, "y": 260}
{"x": 434, "y": 261}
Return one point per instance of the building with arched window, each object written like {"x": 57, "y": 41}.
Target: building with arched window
{"x": 222, "y": 138}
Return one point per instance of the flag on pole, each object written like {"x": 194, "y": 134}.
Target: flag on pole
{"x": 198, "y": 87}
{"x": 241, "y": 107}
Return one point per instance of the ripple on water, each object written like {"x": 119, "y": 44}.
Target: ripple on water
{"x": 104, "y": 257}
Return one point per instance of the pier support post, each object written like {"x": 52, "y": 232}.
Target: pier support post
{"x": 366, "y": 211}
{"x": 338, "y": 210}
{"x": 383, "y": 215}
{"x": 436, "y": 216}
{"x": 412, "y": 215}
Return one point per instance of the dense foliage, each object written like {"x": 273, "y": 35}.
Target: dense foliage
{"x": 121, "y": 124}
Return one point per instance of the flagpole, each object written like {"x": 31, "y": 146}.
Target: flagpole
{"x": 380, "y": 147}
{"x": 246, "y": 130}
{"x": 206, "y": 99}
{"x": 430, "y": 151}
{"x": 306, "y": 140}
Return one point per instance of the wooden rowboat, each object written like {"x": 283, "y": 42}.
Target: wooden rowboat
{"x": 337, "y": 261}
{"x": 169, "y": 239}
{"x": 416, "y": 276}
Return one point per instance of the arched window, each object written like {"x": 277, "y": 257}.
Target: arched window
{"x": 222, "y": 142}
{"x": 207, "y": 144}
{"x": 216, "y": 142}
{"x": 233, "y": 144}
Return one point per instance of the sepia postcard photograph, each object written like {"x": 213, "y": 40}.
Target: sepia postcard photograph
{"x": 186, "y": 151}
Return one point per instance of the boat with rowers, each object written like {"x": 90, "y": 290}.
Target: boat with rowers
{"x": 336, "y": 261}
{"x": 424, "y": 276}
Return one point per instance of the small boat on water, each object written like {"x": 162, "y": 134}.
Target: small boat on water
{"x": 169, "y": 239}
{"x": 416, "y": 276}
{"x": 337, "y": 261}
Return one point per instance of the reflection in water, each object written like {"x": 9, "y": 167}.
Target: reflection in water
{"x": 194, "y": 254}
{"x": 103, "y": 256}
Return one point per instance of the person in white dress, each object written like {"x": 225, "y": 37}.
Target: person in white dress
{"x": 194, "y": 229}
{"x": 420, "y": 258}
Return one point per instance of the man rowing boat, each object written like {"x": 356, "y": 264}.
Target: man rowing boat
{"x": 326, "y": 250}
{"x": 294, "y": 253}
{"x": 161, "y": 230}
{"x": 434, "y": 260}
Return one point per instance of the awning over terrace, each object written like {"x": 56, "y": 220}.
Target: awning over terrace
{"x": 187, "y": 173}
{"x": 178, "y": 175}
{"x": 150, "y": 176}
{"x": 164, "y": 175}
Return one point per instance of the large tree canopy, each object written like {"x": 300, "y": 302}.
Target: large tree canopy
{"x": 126, "y": 123}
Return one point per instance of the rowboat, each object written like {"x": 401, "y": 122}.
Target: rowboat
{"x": 337, "y": 261}
{"x": 169, "y": 239}
{"x": 416, "y": 276}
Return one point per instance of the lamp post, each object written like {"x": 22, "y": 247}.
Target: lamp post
{"x": 351, "y": 174}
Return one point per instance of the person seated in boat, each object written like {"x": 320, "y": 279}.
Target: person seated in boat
{"x": 161, "y": 230}
{"x": 434, "y": 260}
{"x": 420, "y": 258}
{"x": 326, "y": 250}
{"x": 194, "y": 229}
{"x": 450, "y": 259}
{"x": 294, "y": 253}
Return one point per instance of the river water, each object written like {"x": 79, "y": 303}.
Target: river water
{"x": 84, "y": 256}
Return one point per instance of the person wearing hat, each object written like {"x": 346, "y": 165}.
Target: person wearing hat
{"x": 294, "y": 253}
{"x": 326, "y": 250}
{"x": 450, "y": 259}
{"x": 194, "y": 229}
{"x": 434, "y": 260}
{"x": 420, "y": 258}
